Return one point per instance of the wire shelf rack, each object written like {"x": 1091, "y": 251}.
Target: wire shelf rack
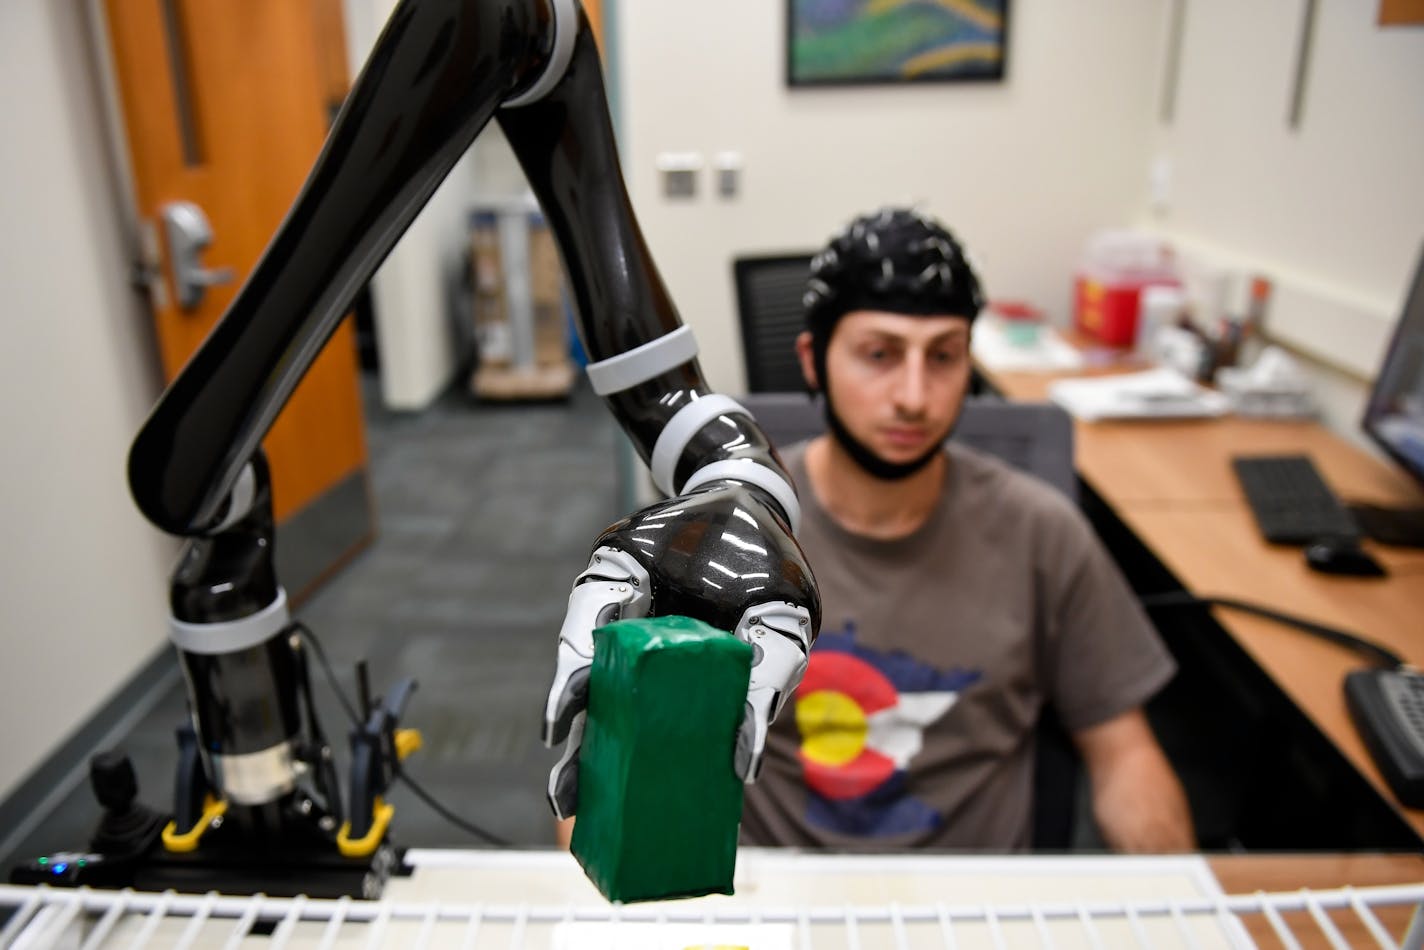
{"x": 91, "y": 919}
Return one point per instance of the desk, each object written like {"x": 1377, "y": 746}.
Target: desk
{"x": 1185, "y": 462}
{"x": 1171, "y": 484}
{"x": 1241, "y": 874}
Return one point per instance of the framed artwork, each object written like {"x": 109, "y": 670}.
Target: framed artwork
{"x": 857, "y": 42}
{"x": 1401, "y": 12}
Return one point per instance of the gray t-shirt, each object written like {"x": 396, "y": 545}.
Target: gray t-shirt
{"x": 914, "y": 724}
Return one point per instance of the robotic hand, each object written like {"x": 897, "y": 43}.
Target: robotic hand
{"x": 720, "y": 553}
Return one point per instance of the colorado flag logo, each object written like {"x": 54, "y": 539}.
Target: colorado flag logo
{"x": 862, "y": 716}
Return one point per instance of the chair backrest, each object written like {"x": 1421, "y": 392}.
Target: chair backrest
{"x": 1033, "y": 437}
{"x": 769, "y": 292}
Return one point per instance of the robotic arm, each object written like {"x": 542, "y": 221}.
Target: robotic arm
{"x": 720, "y": 550}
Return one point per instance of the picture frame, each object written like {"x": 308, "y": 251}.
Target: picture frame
{"x": 881, "y": 42}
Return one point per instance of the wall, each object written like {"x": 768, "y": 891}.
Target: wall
{"x": 84, "y": 577}
{"x": 1333, "y": 212}
{"x": 1023, "y": 170}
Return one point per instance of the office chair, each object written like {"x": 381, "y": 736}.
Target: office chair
{"x": 1034, "y": 438}
{"x": 769, "y": 291}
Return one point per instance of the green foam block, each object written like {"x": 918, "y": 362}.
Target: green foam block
{"x": 659, "y": 802}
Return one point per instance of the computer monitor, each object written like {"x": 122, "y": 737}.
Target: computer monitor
{"x": 1394, "y": 415}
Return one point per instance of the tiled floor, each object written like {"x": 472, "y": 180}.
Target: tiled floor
{"x": 485, "y": 514}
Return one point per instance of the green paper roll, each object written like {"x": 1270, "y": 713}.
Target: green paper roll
{"x": 659, "y": 802}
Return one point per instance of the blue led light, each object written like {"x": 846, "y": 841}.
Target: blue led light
{"x": 60, "y": 868}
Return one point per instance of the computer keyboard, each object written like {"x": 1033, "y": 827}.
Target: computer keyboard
{"x": 1290, "y": 500}
{"x": 1387, "y": 707}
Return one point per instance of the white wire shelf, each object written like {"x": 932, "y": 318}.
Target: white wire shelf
{"x": 91, "y": 919}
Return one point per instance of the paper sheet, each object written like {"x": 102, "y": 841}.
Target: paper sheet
{"x": 993, "y": 350}
{"x": 1155, "y": 394}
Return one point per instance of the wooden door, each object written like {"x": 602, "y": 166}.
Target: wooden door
{"x": 593, "y": 9}
{"x": 226, "y": 105}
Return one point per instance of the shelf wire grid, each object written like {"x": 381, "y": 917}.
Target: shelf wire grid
{"x": 91, "y": 919}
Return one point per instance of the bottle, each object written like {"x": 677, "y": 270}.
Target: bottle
{"x": 1162, "y": 306}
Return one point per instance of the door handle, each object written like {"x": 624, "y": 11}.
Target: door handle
{"x": 189, "y": 234}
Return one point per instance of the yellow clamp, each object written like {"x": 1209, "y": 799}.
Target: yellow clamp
{"x": 213, "y": 809}
{"x": 407, "y": 741}
{"x": 381, "y": 814}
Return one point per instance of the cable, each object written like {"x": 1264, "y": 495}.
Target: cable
{"x": 320, "y": 652}
{"x": 398, "y": 770}
{"x": 318, "y": 756}
{"x": 1378, "y": 654}
{"x": 446, "y": 813}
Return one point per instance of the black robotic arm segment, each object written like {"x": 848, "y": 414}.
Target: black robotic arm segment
{"x": 566, "y": 146}
{"x": 435, "y": 77}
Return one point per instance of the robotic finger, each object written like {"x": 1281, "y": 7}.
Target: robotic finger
{"x": 614, "y": 586}
{"x": 780, "y": 636}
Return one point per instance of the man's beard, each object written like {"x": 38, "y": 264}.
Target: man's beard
{"x": 865, "y": 457}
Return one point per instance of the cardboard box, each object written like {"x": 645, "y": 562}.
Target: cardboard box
{"x": 514, "y": 305}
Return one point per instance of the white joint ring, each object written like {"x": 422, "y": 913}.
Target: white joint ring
{"x": 566, "y": 21}
{"x": 755, "y": 473}
{"x": 680, "y": 429}
{"x": 643, "y": 363}
{"x": 230, "y": 636}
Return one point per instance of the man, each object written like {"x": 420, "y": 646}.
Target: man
{"x": 959, "y": 596}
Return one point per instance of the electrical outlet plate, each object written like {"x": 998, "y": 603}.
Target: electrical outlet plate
{"x": 680, "y": 171}
{"x": 728, "y": 167}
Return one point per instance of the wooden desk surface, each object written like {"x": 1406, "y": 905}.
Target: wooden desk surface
{"x": 1246, "y": 874}
{"x": 1172, "y": 484}
{"x": 1220, "y": 553}
{"x": 1189, "y": 461}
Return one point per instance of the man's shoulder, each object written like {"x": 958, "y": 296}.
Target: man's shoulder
{"x": 985, "y": 478}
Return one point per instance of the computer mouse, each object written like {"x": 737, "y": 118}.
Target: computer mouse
{"x": 1342, "y": 556}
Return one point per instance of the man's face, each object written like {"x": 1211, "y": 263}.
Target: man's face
{"x": 897, "y": 382}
